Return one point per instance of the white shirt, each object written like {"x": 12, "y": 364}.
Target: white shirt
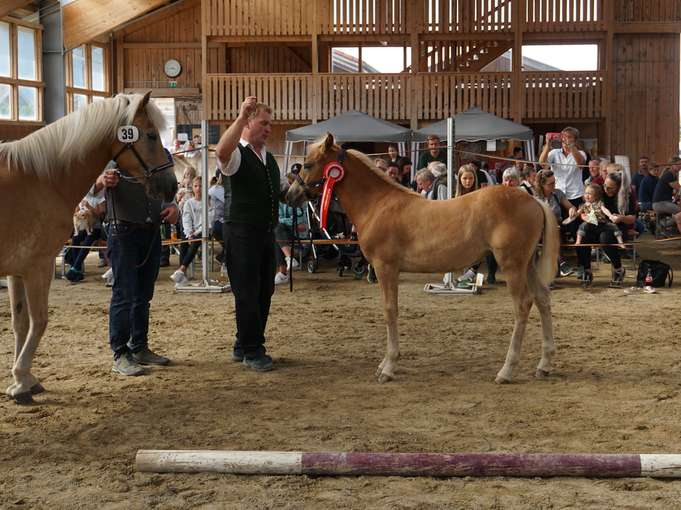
{"x": 568, "y": 174}
{"x": 234, "y": 162}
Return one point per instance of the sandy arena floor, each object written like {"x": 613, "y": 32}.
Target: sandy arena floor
{"x": 616, "y": 388}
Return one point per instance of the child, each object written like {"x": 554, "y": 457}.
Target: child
{"x": 595, "y": 216}
{"x": 466, "y": 180}
{"x": 191, "y": 225}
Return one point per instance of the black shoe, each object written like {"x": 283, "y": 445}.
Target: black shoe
{"x": 73, "y": 275}
{"x": 587, "y": 278}
{"x": 259, "y": 363}
{"x": 617, "y": 278}
{"x": 565, "y": 270}
{"x": 238, "y": 354}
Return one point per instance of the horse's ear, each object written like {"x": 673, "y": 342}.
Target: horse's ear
{"x": 328, "y": 142}
{"x": 145, "y": 99}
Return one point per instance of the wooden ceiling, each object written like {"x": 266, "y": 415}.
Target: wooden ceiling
{"x": 85, "y": 20}
{"x": 19, "y": 8}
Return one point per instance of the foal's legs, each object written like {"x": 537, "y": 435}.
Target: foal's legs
{"x": 388, "y": 280}
{"x": 542, "y": 298}
{"x": 522, "y": 302}
{"x": 19, "y": 310}
{"x": 36, "y": 286}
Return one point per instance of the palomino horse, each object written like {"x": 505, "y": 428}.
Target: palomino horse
{"x": 399, "y": 230}
{"x": 42, "y": 179}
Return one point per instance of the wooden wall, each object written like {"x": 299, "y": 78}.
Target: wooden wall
{"x": 269, "y": 59}
{"x": 646, "y": 96}
{"x": 15, "y": 131}
{"x": 174, "y": 32}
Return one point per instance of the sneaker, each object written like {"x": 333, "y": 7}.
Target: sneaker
{"x": 148, "y": 357}
{"x": 259, "y": 363}
{"x": 74, "y": 276}
{"x": 565, "y": 270}
{"x": 108, "y": 278}
{"x": 292, "y": 263}
{"x": 126, "y": 365}
{"x": 237, "y": 354}
{"x": 179, "y": 278}
{"x": 280, "y": 278}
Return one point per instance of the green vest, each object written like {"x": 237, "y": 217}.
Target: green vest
{"x": 255, "y": 190}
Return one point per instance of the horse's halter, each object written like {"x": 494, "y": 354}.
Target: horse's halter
{"x": 148, "y": 172}
{"x": 311, "y": 190}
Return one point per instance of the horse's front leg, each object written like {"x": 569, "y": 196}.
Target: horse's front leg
{"x": 388, "y": 277}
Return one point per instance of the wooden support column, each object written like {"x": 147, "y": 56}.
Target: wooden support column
{"x": 204, "y": 60}
{"x": 517, "y": 84}
{"x": 609, "y": 84}
{"x": 315, "y": 61}
{"x": 415, "y": 27}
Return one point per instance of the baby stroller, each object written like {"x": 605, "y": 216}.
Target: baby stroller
{"x": 350, "y": 256}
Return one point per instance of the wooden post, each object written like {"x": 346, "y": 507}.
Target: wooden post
{"x": 416, "y": 25}
{"x": 314, "y": 89}
{"x": 609, "y": 84}
{"x": 517, "y": 85}
{"x": 591, "y": 465}
{"x": 204, "y": 61}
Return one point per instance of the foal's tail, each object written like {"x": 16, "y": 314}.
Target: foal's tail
{"x": 547, "y": 263}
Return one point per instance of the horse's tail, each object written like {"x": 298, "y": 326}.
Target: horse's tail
{"x": 547, "y": 263}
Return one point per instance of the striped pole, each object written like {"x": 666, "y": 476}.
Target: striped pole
{"x": 585, "y": 465}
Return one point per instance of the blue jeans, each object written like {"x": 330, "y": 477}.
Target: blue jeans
{"x": 83, "y": 239}
{"x": 134, "y": 252}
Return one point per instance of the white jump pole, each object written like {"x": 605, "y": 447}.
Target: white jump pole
{"x": 584, "y": 465}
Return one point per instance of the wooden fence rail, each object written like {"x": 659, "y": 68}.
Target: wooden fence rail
{"x": 561, "y": 95}
{"x": 398, "y": 97}
{"x": 258, "y": 17}
{"x": 564, "y": 15}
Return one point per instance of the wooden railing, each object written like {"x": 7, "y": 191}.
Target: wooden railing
{"x": 362, "y": 16}
{"x": 633, "y": 11}
{"x": 385, "y": 96}
{"x": 439, "y": 95}
{"x": 564, "y": 15}
{"x": 564, "y": 95}
{"x": 398, "y": 97}
{"x": 470, "y": 16}
{"x": 289, "y": 95}
{"x": 258, "y": 17}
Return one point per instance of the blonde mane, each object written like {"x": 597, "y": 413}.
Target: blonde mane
{"x": 49, "y": 152}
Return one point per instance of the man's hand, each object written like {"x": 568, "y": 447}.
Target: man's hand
{"x": 248, "y": 107}
{"x": 108, "y": 179}
{"x": 170, "y": 214}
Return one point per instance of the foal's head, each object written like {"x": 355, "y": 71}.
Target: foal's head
{"x": 139, "y": 153}
{"x": 309, "y": 180}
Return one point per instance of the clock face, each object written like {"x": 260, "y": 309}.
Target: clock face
{"x": 172, "y": 68}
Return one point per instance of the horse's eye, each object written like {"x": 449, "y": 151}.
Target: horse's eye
{"x": 152, "y": 136}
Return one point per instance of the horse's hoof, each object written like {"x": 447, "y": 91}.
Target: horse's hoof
{"x": 23, "y": 399}
{"x": 541, "y": 374}
{"x": 502, "y": 380}
{"x": 37, "y": 389}
{"x": 384, "y": 378}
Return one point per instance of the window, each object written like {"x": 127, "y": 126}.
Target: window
{"x": 5, "y": 101}
{"x": 28, "y": 103}
{"x": 26, "y": 52}
{"x": 86, "y": 76}
{"x": 560, "y": 57}
{"x": 5, "y": 66}
{"x": 21, "y": 90}
{"x": 374, "y": 59}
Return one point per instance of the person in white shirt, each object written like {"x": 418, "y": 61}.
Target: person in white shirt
{"x": 565, "y": 163}
{"x": 191, "y": 224}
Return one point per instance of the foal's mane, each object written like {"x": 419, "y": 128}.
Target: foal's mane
{"x": 364, "y": 159}
{"x": 49, "y": 152}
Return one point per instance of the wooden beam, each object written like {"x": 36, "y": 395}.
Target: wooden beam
{"x": 165, "y": 92}
{"x": 7, "y": 6}
{"x": 648, "y": 28}
{"x": 83, "y": 20}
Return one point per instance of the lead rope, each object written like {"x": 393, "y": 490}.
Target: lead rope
{"x": 294, "y": 238}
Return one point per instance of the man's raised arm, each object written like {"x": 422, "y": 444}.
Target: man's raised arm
{"x": 230, "y": 139}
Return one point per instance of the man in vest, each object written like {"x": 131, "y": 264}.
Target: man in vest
{"x": 250, "y": 217}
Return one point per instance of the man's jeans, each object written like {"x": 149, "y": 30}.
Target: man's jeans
{"x": 134, "y": 252}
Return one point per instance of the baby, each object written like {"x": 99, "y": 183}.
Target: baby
{"x": 595, "y": 216}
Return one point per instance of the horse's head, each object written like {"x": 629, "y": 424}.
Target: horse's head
{"x": 308, "y": 182}
{"x": 139, "y": 153}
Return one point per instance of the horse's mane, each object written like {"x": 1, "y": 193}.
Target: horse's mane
{"x": 50, "y": 151}
{"x": 363, "y": 158}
